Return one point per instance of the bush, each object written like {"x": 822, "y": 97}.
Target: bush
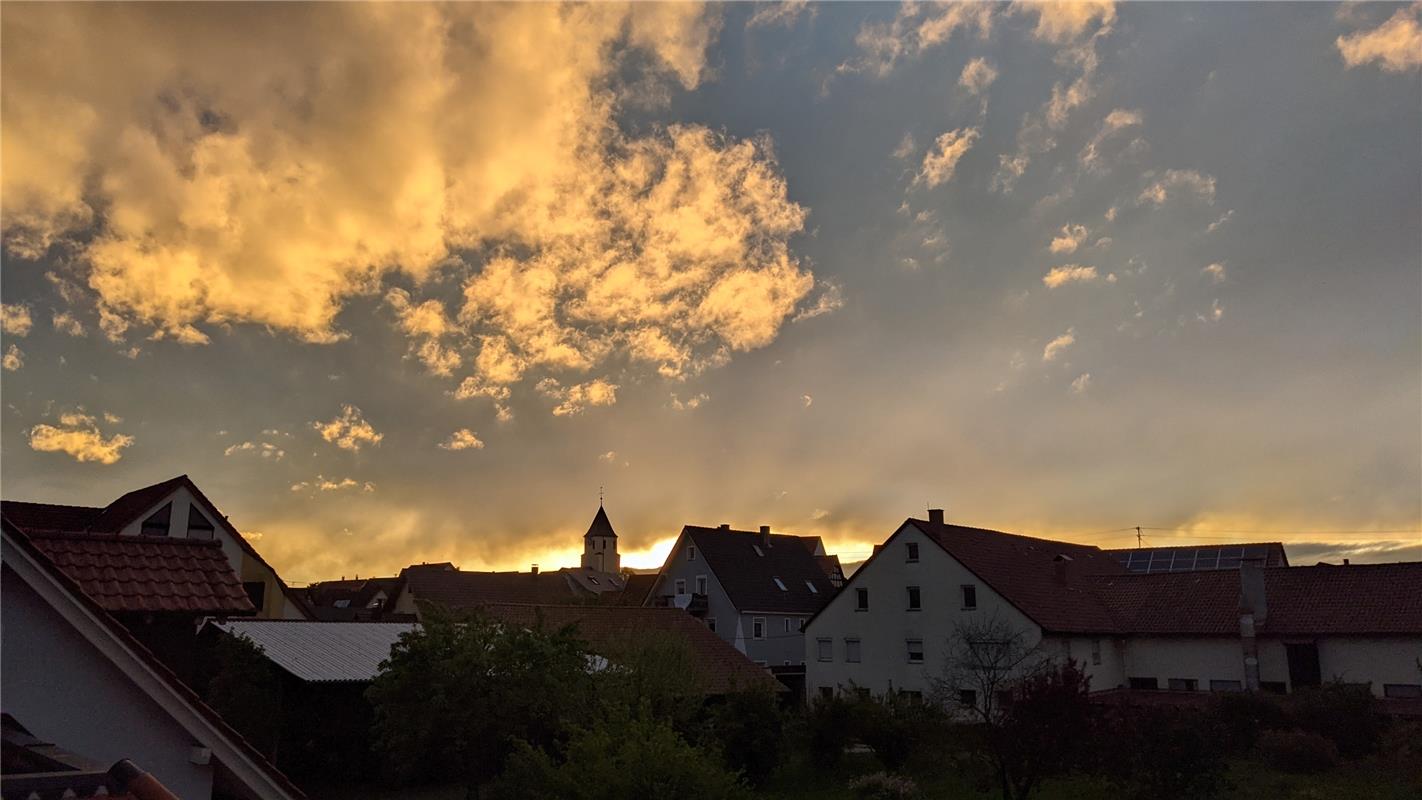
{"x": 883, "y": 786}
{"x": 1165, "y": 753}
{"x": 828, "y": 724}
{"x": 894, "y": 726}
{"x": 1345, "y": 715}
{"x": 1401, "y": 747}
{"x": 748, "y": 727}
{"x": 1241, "y": 717}
{"x": 1297, "y": 751}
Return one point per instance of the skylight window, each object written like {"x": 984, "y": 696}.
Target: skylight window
{"x": 780, "y": 584}
{"x": 758, "y": 551}
{"x": 811, "y": 586}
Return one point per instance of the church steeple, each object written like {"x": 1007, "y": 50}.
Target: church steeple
{"x": 600, "y": 544}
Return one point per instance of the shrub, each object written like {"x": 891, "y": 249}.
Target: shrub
{"x": 1241, "y": 717}
{"x": 828, "y": 724}
{"x": 1165, "y": 753}
{"x": 1346, "y": 715}
{"x": 1297, "y": 751}
{"x": 1401, "y": 747}
{"x": 748, "y": 727}
{"x": 883, "y": 786}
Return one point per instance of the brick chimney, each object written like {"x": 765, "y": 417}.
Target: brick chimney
{"x": 725, "y": 526}
{"x": 765, "y": 536}
{"x": 935, "y": 516}
{"x": 1059, "y": 567}
{"x": 1253, "y": 611}
{"x": 534, "y": 569}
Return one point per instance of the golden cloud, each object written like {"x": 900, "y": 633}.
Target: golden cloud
{"x": 941, "y": 161}
{"x": 1068, "y": 273}
{"x": 462, "y": 439}
{"x": 13, "y": 359}
{"x": 1396, "y": 45}
{"x": 78, "y": 435}
{"x": 265, "y": 165}
{"x": 15, "y": 319}
{"x": 348, "y": 430}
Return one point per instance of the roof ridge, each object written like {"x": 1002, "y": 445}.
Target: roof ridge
{"x": 928, "y": 527}
{"x": 51, "y": 505}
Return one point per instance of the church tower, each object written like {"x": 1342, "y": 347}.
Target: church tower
{"x": 600, "y": 545}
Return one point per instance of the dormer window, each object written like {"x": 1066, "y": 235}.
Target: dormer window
{"x": 157, "y": 525}
{"x": 780, "y": 584}
{"x": 198, "y": 525}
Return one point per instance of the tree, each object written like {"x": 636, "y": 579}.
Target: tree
{"x": 458, "y": 693}
{"x": 748, "y": 729}
{"x": 653, "y": 668}
{"x": 244, "y": 691}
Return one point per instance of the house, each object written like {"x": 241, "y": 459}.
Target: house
{"x": 358, "y": 599}
{"x": 755, "y": 589}
{"x": 932, "y": 584}
{"x": 75, "y": 675}
{"x": 172, "y": 511}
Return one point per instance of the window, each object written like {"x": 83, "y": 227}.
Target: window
{"x": 1096, "y": 652}
{"x": 1402, "y": 690}
{"x": 824, "y": 649}
{"x": 787, "y": 624}
{"x": 680, "y": 586}
{"x": 701, "y": 584}
{"x": 779, "y": 584}
{"x": 1143, "y": 683}
{"x": 711, "y": 624}
{"x": 912, "y": 548}
{"x": 198, "y": 526}
{"x": 1183, "y": 685}
{"x": 809, "y": 584}
{"x": 344, "y": 602}
{"x": 594, "y": 581}
{"x": 257, "y": 592}
{"x": 827, "y": 692}
{"x": 691, "y": 554}
{"x": 967, "y": 698}
{"x": 1226, "y": 686}
{"x": 802, "y": 624}
{"x": 861, "y": 599}
{"x": 758, "y": 551}
{"x": 157, "y": 525}
{"x": 915, "y": 651}
{"x": 913, "y": 600}
{"x": 970, "y": 597}
{"x": 851, "y": 650}
{"x": 758, "y": 628}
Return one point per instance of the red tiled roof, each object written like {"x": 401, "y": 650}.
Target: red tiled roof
{"x": 1024, "y": 569}
{"x": 136, "y": 573}
{"x": 47, "y": 516}
{"x": 1357, "y": 599}
{"x": 721, "y": 667}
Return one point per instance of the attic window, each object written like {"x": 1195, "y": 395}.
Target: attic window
{"x": 157, "y": 525}
{"x": 198, "y": 525}
{"x": 809, "y": 584}
{"x": 912, "y": 548}
{"x": 970, "y": 597}
{"x": 758, "y": 551}
{"x": 691, "y": 554}
{"x": 780, "y": 584}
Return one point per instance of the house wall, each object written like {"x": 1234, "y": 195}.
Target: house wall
{"x": 779, "y": 647}
{"x": 718, "y": 603}
{"x": 1101, "y": 657}
{"x": 883, "y": 630}
{"x": 1200, "y": 658}
{"x": 248, "y": 569}
{"x": 65, "y": 691}
{"x": 1379, "y": 660}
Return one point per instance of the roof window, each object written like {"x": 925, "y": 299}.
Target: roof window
{"x": 809, "y": 584}
{"x": 157, "y": 525}
{"x": 780, "y": 584}
{"x": 758, "y": 551}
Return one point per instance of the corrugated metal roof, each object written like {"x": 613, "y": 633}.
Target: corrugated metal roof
{"x": 322, "y": 651}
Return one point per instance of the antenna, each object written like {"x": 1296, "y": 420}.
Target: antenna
{"x": 1138, "y": 537}
{"x": 599, "y": 496}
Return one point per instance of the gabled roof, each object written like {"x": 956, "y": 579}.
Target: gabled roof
{"x": 118, "y": 514}
{"x": 141, "y": 669}
{"x": 1357, "y": 599}
{"x": 143, "y": 573}
{"x": 634, "y": 591}
{"x": 321, "y": 652}
{"x": 1024, "y": 571}
{"x": 1195, "y": 558}
{"x": 747, "y": 569}
{"x": 720, "y": 667}
{"x": 457, "y": 589}
{"x": 32, "y": 517}
{"x": 600, "y": 526}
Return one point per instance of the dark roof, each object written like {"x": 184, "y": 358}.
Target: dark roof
{"x": 1358, "y": 599}
{"x": 747, "y": 570}
{"x": 600, "y": 526}
{"x": 127, "y": 508}
{"x": 1195, "y": 558}
{"x": 166, "y": 677}
{"x": 634, "y": 592}
{"x": 457, "y": 589}
{"x": 47, "y": 516}
{"x": 1024, "y": 571}
{"x": 141, "y": 573}
{"x": 720, "y": 667}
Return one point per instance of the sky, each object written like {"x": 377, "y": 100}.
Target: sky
{"x": 404, "y": 283}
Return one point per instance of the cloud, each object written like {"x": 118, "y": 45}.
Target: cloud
{"x": 66, "y": 323}
{"x": 784, "y": 13}
{"x": 807, "y": 400}
{"x": 1063, "y": 22}
{"x": 323, "y": 484}
{"x": 1068, "y": 273}
{"x": 15, "y": 319}
{"x": 1216, "y": 272}
{"x": 576, "y": 398}
{"x": 689, "y": 404}
{"x": 266, "y": 450}
{"x": 941, "y": 161}
{"x": 78, "y": 435}
{"x": 237, "y": 176}
{"x": 14, "y": 358}
{"x": 608, "y": 457}
{"x": 1224, "y": 218}
{"x": 831, "y": 299}
{"x": 915, "y": 29}
{"x": 1081, "y": 384}
{"x": 819, "y": 514}
{"x": 1176, "y": 182}
{"x": 348, "y": 430}
{"x": 1055, "y": 347}
{"x": 1118, "y": 120}
{"x": 977, "y": 76}
{"x": 1069, "y": 239}
{"x": 462, "y": 439}
{"x": 1396, "y": 45}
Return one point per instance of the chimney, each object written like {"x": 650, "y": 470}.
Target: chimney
{"x": 1253, "y": 611}
{"x": 1059, "y": 567}
{"x": 535, "y": 569}
{"x": 765, "y": 536}
{"x": 935, "y": 516}
{"x": 1345, "y": 562}
{"x": 725, "y": 526}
